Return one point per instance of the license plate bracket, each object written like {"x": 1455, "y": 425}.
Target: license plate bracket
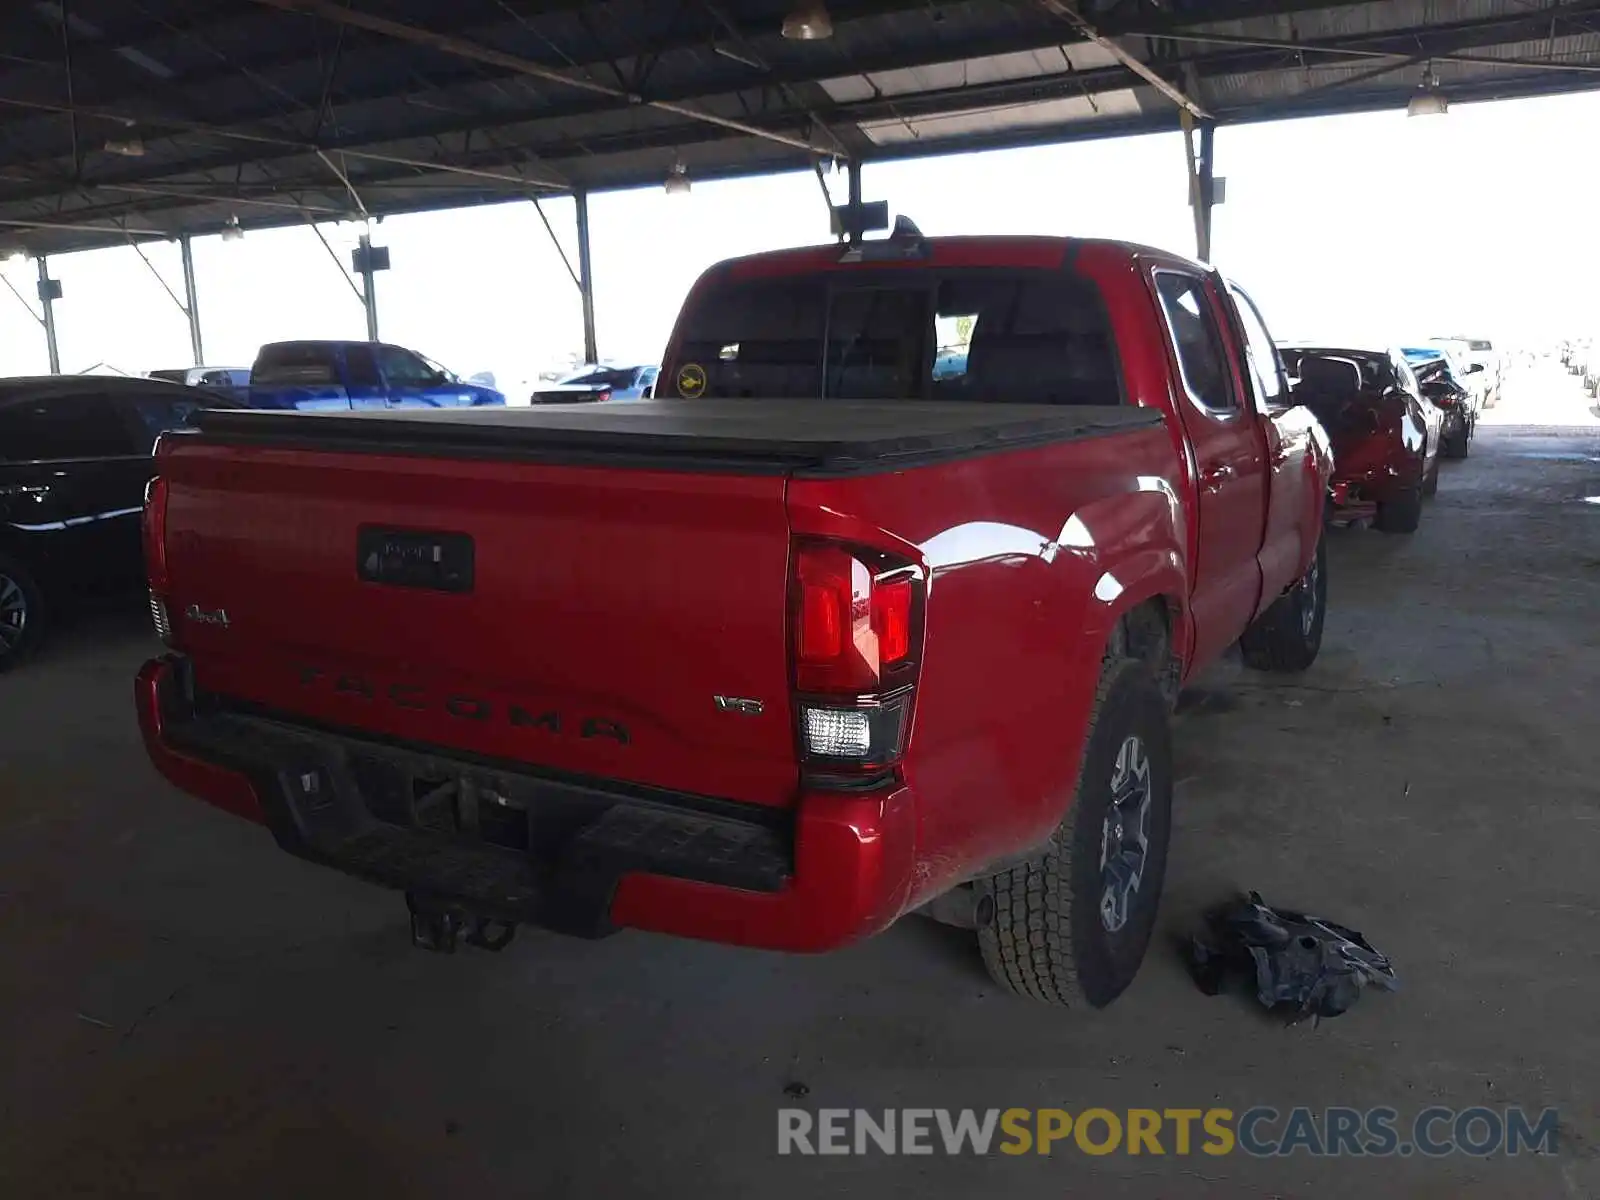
{"x": 413, "y": 558}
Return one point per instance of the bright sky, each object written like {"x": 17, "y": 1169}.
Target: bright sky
{"x": 1366, "y": 227}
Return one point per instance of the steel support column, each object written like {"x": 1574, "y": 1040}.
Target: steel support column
{"x": 47, "y": 298}
{"x": 369, "y": 288}
{"x": 853, "y": 175}
{"x": 591, "y": 351}
{"x": 192, "y": 307}
{"x": 1208, "y": 133}
{"x": 1202, "y": 180}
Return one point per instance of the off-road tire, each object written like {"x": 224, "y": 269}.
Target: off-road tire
{"x": 1282, "y": 639}
{"x": 13, "y": 575}
{"x": 1457, "y": 445}
{"x": 1044, "y": 936}
{"x": 1403, "y": 513}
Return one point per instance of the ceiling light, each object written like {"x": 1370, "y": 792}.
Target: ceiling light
{"x": 677, "y": 183}
{"x": 129, "y": 147}
{"x": 231, "y": 231}
{"x": 808, "y": 23}
{"x": 1429, "y": 100}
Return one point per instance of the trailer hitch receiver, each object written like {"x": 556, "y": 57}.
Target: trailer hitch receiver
{"x": 437, "y": 925}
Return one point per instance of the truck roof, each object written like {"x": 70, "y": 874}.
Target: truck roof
{"x": 988, "y": 250}
{"x": 811, "y": 437}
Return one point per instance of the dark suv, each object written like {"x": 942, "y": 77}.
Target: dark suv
{"x": 75, "y": 456}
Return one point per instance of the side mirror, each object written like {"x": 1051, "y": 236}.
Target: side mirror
{"x": 1474, "y": 368}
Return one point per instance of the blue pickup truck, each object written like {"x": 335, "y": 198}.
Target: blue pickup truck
{"x": 346, "y": 375}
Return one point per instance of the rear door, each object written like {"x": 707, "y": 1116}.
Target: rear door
{"x": 362, "y": 379}
{"x": 74, "y": 488}
{"x": 414, "y": 382}
{"x": 1229, "y": 460}
{"x": 1282, "y": 548}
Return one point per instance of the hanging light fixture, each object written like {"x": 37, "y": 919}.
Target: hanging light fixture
{"x": 231, "y": 231}
{"x": 677, "y": 183}
{"x": 1429, "y": 100}
{"x": 808, "y": 23}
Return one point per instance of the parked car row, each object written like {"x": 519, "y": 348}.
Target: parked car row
{"x": 1466, "y": 353}
{"x": 1392, "y": 414}
{"x": 1581, "y": 357}
{"x": 337, "y": 375}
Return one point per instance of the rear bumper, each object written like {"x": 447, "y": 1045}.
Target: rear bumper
{"x": 578, "y": 856}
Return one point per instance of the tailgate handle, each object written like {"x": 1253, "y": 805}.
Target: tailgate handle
{"x": 435, "y": 562}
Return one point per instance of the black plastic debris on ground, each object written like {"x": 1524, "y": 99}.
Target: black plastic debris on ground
{"x": 1302, "y": 965}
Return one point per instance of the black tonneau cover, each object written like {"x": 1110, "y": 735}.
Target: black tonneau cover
{"x": 810, "y": 437}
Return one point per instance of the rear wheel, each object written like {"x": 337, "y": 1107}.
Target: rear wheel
{"x": 1403, "y": 513}
{"x": 1288, "y": 636}
{"x": 1071, "y": 926}
{"x": 21, "y": 613}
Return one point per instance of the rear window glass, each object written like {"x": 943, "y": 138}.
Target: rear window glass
{"x": 615, "y": 377}
{"x": 1023, "y": 337}
{"x": 292, "y": 365}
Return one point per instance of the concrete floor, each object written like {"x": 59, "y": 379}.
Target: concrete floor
{"x": 188, "y": 1012}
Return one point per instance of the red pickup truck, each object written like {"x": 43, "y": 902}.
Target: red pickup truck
{"x": 881, "y": 605}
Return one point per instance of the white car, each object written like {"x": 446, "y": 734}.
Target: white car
{"x": 224, "y": 377}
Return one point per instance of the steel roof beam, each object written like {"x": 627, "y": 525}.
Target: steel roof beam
{"x": 462, "y": 48}
{"x": 1076, "y": 20}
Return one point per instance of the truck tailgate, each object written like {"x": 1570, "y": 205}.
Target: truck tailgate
{"x": 579, "y": 618}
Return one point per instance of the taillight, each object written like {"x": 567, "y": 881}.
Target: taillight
{"x": 856, "y": 631}
{"x": 603, "y": 396}
{"x": 155, "y": 533}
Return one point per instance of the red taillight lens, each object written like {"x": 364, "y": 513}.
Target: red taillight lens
{"x": 856, "y": 629}
{"x": 891, "y": 620}
{"x": 851, "y": 622}
{"x": 154, "y": 529}
{"x": 603, "y": 395}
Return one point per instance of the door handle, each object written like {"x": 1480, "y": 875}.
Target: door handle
{"x": 1212, "y": 478}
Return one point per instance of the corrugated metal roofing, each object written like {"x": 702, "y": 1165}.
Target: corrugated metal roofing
{"x": 150, "y": 119}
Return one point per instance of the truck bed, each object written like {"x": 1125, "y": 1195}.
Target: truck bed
{"x": 817, "y": 438}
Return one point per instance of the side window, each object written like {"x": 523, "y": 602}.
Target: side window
{"x": 1259, "y": 349}
{"x": 61, "y": 427}
{"x": 361, "y": 368}
{"x": 152, "y": 416}
{"x": 1202, "y": 359}
{"x": 403, "y": 368}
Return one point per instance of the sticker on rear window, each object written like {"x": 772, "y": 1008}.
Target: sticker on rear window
{"x": 691, "y": 380}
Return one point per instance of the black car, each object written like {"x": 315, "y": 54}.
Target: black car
{"x": 1451, "y": 396}
{"x": 75, "y": 456}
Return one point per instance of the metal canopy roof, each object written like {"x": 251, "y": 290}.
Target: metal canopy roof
{"x": 135, "y": 119}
